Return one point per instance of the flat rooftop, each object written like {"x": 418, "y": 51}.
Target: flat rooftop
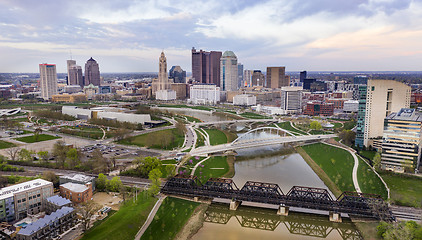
{"x": 75, "y": 187}
{"x": 78, "y": 177}
{"x": 59, "y": 201}
{"x": 47, "y": 220}
{"x": 8, "y": 192}
{"x": 406, "y": 114}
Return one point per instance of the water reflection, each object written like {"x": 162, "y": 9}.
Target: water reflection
{"x": 300, "y": 224}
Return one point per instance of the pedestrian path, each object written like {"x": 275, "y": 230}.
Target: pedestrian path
{"x": 196, "y": 166}
{"x": 150, "y": 218}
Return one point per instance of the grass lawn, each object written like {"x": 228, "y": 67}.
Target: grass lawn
{"x": 164, "y": 139}
{"x": 337, "y": 124}
{"x": 369, "y": 182}
{"x": 318, "y": 132}
{"x": 206, "y": 172}
{"x": 404, "y": 190}
{"x": 32, "y": 139}
{"x": 288, "y": 127}
{"x": 252, "y": 115}
{"x": 349, "y": 125}
{"x": 170, "y": 219}
{"x": 216, "y": 136}
{"x": 337, "y": 164}
{"x": 87, "y": 132}
{"x": 125, "y": 223}
{"x": 192, "y": 119}
{"x": 4, "y": 144}
{"x": 201, "y": 140}
{"x": 169, "y": 161}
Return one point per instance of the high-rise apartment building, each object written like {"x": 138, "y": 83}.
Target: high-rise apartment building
{"x": 402, "y": 140}
{"x": 291, "y": 100}
{"x": 70, "y": 63}
{"x": 206, "y": 66}
{"x": 303, "y": 75}
{"x": 360, "y": 120}
{"x": 258, "y": 78}
{"x": 360, "y": 80}
{"x": 247, "y": 78}
{"x": 204, "y": 94}
{"x": 276, "y": 77}
{"x": 75, "y": 76}
{"x": 382, "y": 98}
{"x": 92, "y": 73}
{"x": 228, "y": 71}
{"x": 177, "y": 74}
{"x": 240, "y": 75}
{"x": 48, "y": 80}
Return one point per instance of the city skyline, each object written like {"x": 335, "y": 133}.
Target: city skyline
{"x": 373, "y": 35}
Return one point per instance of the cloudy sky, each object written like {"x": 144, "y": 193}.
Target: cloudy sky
{"x": 128, "y": 36}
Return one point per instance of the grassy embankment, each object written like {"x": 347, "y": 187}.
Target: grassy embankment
{"x": 86, "y": 132}
{"x": 288, "y": 127}
{"x": 32, "y": 139}
{"x": 215, "y": 167}
{"x": 369, "y": 182}
{"x": 125, "y": 223}
{"x": 165, "y": 139}
{"x": 4, "y": 144}
{"x": 170, "y": 219}
{"x": 253, "y": 115}
{"x": 216, "y": 136}
{"x": 404, "y": 190}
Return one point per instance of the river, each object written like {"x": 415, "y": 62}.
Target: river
{"x": 272, "y": 165}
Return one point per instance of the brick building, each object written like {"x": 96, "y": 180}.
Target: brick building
{"x": 317, "y": 108}
{"x": 77, "y": 193}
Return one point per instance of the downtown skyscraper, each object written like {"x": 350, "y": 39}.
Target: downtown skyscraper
{"x": 92, "y": 73}
{"x": 228, "y": 72}
{"x": 276, "y": 77}
{"x": 48, "y": 80}
{"x": 206, "y": 66}
{"x": 74, "y": 74}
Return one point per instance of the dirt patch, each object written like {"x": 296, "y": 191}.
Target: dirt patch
{"x": 108, "y": 199}
{"x": 195, "y": 222}
{"x": 230, "y": 161}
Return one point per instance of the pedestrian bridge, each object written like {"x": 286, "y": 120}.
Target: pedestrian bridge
{"x": 241, "y": 144}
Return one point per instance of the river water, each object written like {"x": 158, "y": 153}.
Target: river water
{"x": 278, "y": 165}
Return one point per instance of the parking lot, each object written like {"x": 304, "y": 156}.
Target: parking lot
{"x": 108, "y": 150}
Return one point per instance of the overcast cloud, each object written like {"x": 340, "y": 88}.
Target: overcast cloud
{"x": 128, "y": 36}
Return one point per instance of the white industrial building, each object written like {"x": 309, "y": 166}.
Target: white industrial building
{"x": 351, "y": 106}
{"x": 291, "y": 100}
{"x": 244, "y": 100}
{"x": 166, "y": 95}
{"x": 204, "y": 94}
{"x": 106, "y": 113}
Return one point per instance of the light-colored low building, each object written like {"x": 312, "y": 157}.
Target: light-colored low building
{"x": 69, "y": 98}
{"x": 402, "y": 140}
{"x": 204, "y": 94}
{"x": 244, "y": 100}
{"x": 17, "y": 201}
{"x": 351, "y": 106}
{"x": 165, "y": 95}
{"x": 72, "y": 88}
{"x": 105, "y": 113}
{"x": 77, "y": 178}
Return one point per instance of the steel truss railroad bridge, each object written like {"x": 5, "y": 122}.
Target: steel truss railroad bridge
{"x": 353, "y": 203}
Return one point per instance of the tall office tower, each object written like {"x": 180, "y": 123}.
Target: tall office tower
{"x": 382, "y": 98}
{"x": 291, "y": 100}
{"x": 247, "y": 78}
{"x": 360, "y": 121}
{"x": 177, "y": 74}
{"x": 75, "y": 76}
{"x": 240, "y": 75}
{"x": 70, "y": 63}
{"x": 303, "y": 75}
{"x": 276, "y": 77}
{"x": 402, "y": 141}
{"x": 163, "y": 80}
{"x": 228, "y": 71}
{"x": 206, "y": 66}
{"x": 48, "y": 80}
{"x": 360, "y": 80}
{"x": 258, "y": 78}
{"x": 92, "y": 73}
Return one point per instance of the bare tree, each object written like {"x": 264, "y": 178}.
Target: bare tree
{"x": 86, "y": 210}
{"x": 13, "y": 153}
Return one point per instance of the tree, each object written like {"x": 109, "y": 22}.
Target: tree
{"x": 101, "y": 182}
{"x": 114, "y": 184}
{"x": 13, "y": 153}
{"x": 51, "y": 177}
{"x": 59, "y": 153}
{"x": 86, "y": 210}
{"x": 3, "y": 181}
{"x": 315, "y": 125}
{"x": 37, "y": 133}
{"x": 154, "y": 176}
{"x": 347, "y": 136}
{"x": 72, "y": 157}
{"x": 101, "y": 164}
{"x": 120, "y": 133}
{"x": 377, "y": 161}
{"x": 123, "y": 191}
{"x": 181, "y": 128}
{"x": 25, "y": 155}
{"x": 147, "y": 164}
{"x": 43, "y": 155}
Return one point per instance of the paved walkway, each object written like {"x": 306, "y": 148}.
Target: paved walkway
{"x": 196, "y": 166}
{"x": 150, "y": 218}
{"x": 299, "y": 130}
{"x": 355, "y": 167}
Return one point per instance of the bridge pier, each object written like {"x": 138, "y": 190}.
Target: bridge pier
{"x": 196, "y": 199}
{"x": 335, "y": 217}
{"x": 234, "y": 204}
{"x": 283, "y": 210}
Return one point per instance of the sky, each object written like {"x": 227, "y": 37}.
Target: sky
{"x": 128, "y": 36}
